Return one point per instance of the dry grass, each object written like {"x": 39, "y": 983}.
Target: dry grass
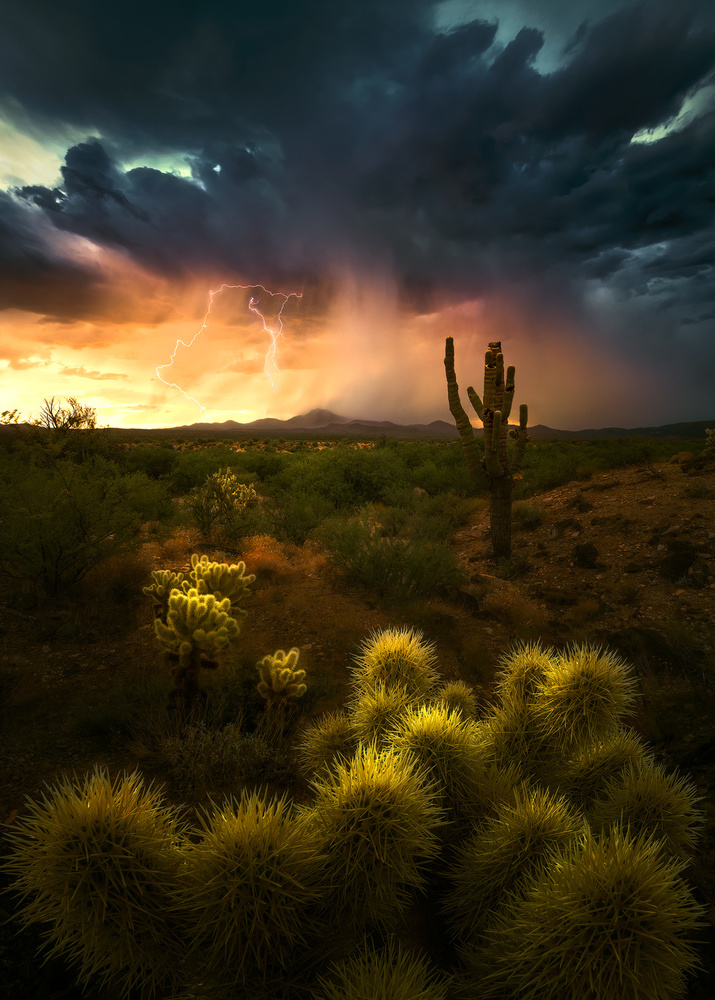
{"x": 626, "y": 591}
{"x": 509, "y": 605}
{"x": 273, "y": 560}
{"x": 120, "y": 577}
{"x": 177, "y": 549}
{"x": 585, "y": 610}
{"x": 267, "y": 558}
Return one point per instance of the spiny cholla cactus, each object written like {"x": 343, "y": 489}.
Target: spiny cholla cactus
{"x": 496, "y": 471}
{"x": 279, "y": 678}
{"x": 197, "y": 627}
{"x": 221, "y": 500}
{"x": 164, "y": 581}
{"x": 221, "y": 580}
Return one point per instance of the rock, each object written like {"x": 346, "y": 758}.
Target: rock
{"x": 554, "y": 596}
{"x": 681, "y": 556}
{"x": 585, "y": 555}
{"x": 68, "y": 631}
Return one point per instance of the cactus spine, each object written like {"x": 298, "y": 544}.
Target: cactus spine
{"x": 496, "y": 471}
{"x": 279, "y": 678}
{"x": 195, "y": 618}
{"x": 197, "y": 627}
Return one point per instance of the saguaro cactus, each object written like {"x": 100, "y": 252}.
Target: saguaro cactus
{"x": 496, "y": 471}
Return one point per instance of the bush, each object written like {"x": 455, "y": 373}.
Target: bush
{"x": 347, "y": 477}
{"x": 60, "y": 520}
{"x": 221, "y": 502}
{"x": 156, "y": 462}
{"x": 391, "y": 566}
{"x": 298, "y": 515}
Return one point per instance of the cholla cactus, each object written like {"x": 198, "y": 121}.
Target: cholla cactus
{"x": 221, "y": 500}
{"x": 710, "y": 441}
{"x": 164, "y": 581}
{"x": 197, "y": 627}
{"x": 279, "y": 678}
{"x": 221, "y": 580}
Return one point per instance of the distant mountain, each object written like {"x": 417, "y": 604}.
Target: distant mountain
{"x": 332, "y": 424}
{"x": 314, "y": 418}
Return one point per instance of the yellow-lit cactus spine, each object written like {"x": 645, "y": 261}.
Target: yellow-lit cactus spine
{"x": 280, "y": 681}
{"x": 163, "y": 582}
{"x": 497, "y": 470}
{"x": 197, "y": 627}
{"x": 221, "y": 580}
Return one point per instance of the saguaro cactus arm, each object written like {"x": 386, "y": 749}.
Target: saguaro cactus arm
{"x": 522, "y": 439}
{"x": 466, "y": 431}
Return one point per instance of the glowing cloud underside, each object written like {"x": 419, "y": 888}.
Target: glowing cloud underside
{"x": 270, "y": 367}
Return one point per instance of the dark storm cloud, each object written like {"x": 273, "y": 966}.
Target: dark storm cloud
{"x": 351, "y": 133}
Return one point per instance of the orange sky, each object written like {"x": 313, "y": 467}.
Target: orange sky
{"x": 349, "y": 346}
{"x": 537, "y": 173}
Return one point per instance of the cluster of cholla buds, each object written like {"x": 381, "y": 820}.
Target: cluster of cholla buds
{"x": 280, "y": 680}
{"x": 195, "y": 618}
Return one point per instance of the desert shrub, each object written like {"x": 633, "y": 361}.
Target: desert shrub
{"x": 119, "y": 577}
{"x": 546, "y": 469}
{"x": 222, "y": 503}
{"x": 400, "y": 568}
{"x": 699, "y": 489}
{"x": 509, "y": 605}
{"x": 347, "y": 477}
{"x": 266, "y": 555}
{"x": 195, "y": 466}
{"x": 156, "y": 461}
{"x": 297, "y": 513}
{"x": 59, "y": 521}
{"x": 524, "y": 515}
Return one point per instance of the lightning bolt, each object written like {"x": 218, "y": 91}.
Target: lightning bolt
{"x": 253, "y": 305}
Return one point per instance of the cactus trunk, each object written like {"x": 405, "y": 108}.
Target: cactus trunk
{"x": 496, "y": 471}
{"x": 500, "y": 516}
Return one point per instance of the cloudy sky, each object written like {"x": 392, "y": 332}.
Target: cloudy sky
{"x": 363, "y": 178}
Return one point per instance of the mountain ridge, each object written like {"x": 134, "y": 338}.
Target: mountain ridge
{"x": 332, "y": 423}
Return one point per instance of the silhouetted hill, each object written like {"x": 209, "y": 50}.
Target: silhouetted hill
{"x": 331, "y": 424}
{"x": 319, "y": 422}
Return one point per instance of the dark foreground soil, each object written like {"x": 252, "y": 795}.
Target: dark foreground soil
{"x": 625, "y": 559}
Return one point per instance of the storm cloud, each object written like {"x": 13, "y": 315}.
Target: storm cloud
{"x": 324, "y": 137}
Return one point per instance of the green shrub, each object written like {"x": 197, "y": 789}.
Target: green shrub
{"x": 221, "y": 503}
{"x": 297, "y": 515}
{"x": 157, "y": 462}
{"x": 400, "y": 568}
{"x": 345, "y": 476}
{"x": 60, "y": 520}
{"x": 524, "y": 515}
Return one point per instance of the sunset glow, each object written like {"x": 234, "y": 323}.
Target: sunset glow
{"x": 488, "y": 172}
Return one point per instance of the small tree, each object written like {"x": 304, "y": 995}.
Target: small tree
{"x": 74, "y": 416}
{"x": 496, "y": 471}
